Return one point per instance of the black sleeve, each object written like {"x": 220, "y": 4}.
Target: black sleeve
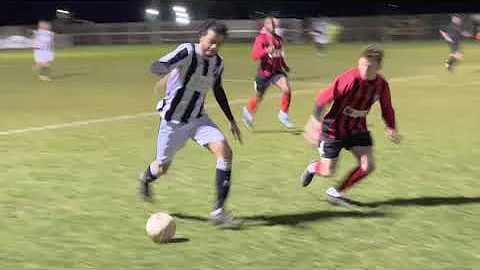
{"x": 160, "y": 68}
{"x": 221, "y": 98}
{"x": 172, "y": 60}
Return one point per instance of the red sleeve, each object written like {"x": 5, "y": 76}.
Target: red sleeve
{"x": 258, "y": 51}
{"x": 388, "y": 113}
{"x": 326, "y": 96}
{"x": 336, "y": 89}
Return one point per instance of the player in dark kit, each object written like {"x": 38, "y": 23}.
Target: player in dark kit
{"x": 268, "y": 48}
{"x": 344, "y": 126}
{"x": 452, "y": 34}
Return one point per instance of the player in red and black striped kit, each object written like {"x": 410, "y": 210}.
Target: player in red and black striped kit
{"x": 268, "y": 48}
{"x": 344, "y": 126}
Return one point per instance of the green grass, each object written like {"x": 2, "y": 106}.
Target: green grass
{"x": 69, "y": 198}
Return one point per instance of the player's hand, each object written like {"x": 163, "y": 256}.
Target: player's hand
{"x": 161, "y": 85}
{"x": 312, "y": 132}
{"x": 392, "y": 135}
{"x": 236, "y": 131}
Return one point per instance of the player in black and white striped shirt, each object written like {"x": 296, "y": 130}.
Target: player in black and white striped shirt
{"x": 193, "y": 70}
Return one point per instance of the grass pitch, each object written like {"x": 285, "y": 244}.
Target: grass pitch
{"x": 69, "y": 198}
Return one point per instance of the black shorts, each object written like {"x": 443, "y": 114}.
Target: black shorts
{"x": 454, "y": 46}
{"x": 262, "y": 82}
{"x": 330, "y": 148}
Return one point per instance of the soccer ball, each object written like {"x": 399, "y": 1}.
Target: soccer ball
{"x": 161, "y": 227}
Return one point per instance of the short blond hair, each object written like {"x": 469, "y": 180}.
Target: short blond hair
{"x": 373, "y": 52}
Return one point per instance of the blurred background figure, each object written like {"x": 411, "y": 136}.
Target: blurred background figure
{"x": 273, "y": 69}
{"x": 452, "y": 34}
{"x": 279, "y": 30}
{"x": 476, "y": 26}
{"x": 43, "y": 50}
{"x": 320, "y": 36}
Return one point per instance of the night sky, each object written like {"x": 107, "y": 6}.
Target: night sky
{"x": 28, "y": 12}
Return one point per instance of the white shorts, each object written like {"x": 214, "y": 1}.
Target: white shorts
{"x": 321, "y": 40}
{"x": 42, "y": 56}
{"x": 173, "y": 136}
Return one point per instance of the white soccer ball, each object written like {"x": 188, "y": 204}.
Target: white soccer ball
{"x": 161, "y": 227}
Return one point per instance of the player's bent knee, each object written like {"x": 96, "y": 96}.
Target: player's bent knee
{"x": 327, "y": 172}
{"x": 368, "y": 167}
{"x": 221, "y": 150}
{"x": 227, "y": 152}
{"x": 286, "y": 90}
{"x": 224, "y": 160}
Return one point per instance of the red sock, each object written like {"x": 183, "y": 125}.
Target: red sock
{"x": 355, "y": 176}
{"x": 316, "y": 168}
{"x": 286, "y": 97}
{"x": 252, "y": 105}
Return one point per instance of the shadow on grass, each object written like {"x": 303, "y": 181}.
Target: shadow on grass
{"x": 291, "y": 219}
{"x": 178, "y": 240}
{"x": 266, "y": 131}
{"x": 307, "y": 78}
{"x": 68, "y": 75}
{"x": 421, "y": 201}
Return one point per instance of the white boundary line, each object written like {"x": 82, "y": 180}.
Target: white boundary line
{"x": 115, "y": 118}
{"x": 398, "y": 79}
{"x": 147, "y": 114}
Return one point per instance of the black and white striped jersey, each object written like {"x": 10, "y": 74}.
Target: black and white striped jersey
{"x": 192, "y": 76}
{"x": 43, "y": 40}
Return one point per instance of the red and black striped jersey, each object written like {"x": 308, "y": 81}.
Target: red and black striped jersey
{"x": 352, "y": 99}
{"x": 273, "y": 62}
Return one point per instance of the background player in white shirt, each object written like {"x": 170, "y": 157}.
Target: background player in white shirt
{"x": 279, "y": 30}
{"x": 43, "y": 50}
{"x": 320, "y": 35}
{"x": 193, "y": 70}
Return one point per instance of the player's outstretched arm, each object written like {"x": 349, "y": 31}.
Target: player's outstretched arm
{"x": 284, "y": 64}
{"x": 258, "y": 50}
{"x": 445, "y": 36}
{"x": 161, "y": 85}
{"x": 388, "y": 114}
{"x": 313, "y": 128}
{"x": 172, "y": 60}
{"x": 222, "y": 100}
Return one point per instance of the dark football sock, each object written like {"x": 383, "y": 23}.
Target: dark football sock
{"x": 223, "y": 187}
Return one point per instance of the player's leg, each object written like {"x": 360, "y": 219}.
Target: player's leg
{"x": 261, "y": 84}
{"x": 223, "y": 171}
{"x": 43, "y": 60}
{"x": 207, "y": 134}
{"x": 319, "y": 47}
{"x": 365, "y": 166}
{"x": 281, "y": 81}
{"x": 458, "y": 56}
{"x": 171, "y": 138}
{"x": 454, "y": 56}
{"x": 325, "y": 167}
{"x": 37, "y": 63}
{"x": 45, "y": 71}
{"x": 47, "y": 66}
{"x": 362, "y": 148}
